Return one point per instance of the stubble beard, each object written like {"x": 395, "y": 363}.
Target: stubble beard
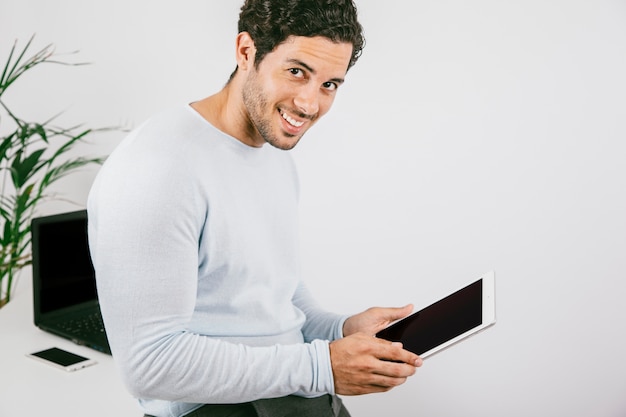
{"x": 255, "y": 101}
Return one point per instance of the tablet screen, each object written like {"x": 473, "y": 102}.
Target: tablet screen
{"x": 450, "y": 319}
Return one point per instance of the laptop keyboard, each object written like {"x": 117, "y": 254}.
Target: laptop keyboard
{"x": 90, "y": 324}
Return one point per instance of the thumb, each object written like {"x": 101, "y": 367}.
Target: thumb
{"x": 396, "y": 313}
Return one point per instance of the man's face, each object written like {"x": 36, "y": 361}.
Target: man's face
{"x": 292, "y": 87}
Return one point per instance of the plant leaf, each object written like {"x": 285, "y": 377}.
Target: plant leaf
{"x": 23, "y": 170}
{"x": 6, "y": 144}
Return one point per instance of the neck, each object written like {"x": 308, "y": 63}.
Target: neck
{"x": 225, "y": 110}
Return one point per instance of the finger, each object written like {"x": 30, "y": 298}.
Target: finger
{"x": 356, "y": 389}
{"x": 395, "y": 352}
{"x": 396, "y": 313}
{"x": 406, "y": 310}
{"x": 386, "y": 382}
{"x": 371, "y": 384}
{"x": 396, "y": 370}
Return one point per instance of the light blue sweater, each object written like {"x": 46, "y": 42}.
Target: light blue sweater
{"x": 194, "y": 240}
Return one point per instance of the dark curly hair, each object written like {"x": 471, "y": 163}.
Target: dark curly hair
{"x": 271, "y": 22}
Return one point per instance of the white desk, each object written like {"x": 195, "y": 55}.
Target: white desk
{"x": 29, "y": 388}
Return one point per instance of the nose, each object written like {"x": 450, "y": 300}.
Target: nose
{"x": 307, "y": 100}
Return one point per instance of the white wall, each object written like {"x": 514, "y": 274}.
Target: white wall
{"x": 471, "y": 136}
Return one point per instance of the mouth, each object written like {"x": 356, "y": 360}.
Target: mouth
{"x": 290, "y": 120}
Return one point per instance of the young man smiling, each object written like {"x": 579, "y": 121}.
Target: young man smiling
{"x": 278, "y": 99}
{"x": 193, "y": 233}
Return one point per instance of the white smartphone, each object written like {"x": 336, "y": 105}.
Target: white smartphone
{"x": 62, "y": 359}
{"x": 453, "y": 318}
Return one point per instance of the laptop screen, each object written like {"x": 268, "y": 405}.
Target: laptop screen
{"x": 62, "y": 269}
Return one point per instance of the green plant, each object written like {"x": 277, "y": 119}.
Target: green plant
{"x": 32, "y": 156}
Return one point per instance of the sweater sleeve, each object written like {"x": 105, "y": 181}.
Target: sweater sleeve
{"x": 319, "y": 324}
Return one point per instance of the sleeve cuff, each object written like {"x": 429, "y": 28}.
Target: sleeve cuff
{"x": 339, "y": 329}
{"x": 325, "y": 379}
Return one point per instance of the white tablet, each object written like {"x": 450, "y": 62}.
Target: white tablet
{"x": 455, "y": 317}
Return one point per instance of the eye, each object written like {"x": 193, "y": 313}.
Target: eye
{"x": 330, "y": 86}
{"x": 297, "y": 72}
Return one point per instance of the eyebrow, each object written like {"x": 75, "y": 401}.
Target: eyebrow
{"x": 297, "y": 62}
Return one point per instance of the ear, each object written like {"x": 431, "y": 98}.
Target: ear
{"x": 245, "y": 51}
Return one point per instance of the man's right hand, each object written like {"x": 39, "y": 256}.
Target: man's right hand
{"x": 363, "y": 364}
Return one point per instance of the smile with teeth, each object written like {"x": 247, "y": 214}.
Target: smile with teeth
{"x": 291, "y": 121}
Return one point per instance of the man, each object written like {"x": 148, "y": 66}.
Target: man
{"x": 193, "y": 232}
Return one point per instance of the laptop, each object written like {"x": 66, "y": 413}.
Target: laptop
{"x": 65, "y": 300}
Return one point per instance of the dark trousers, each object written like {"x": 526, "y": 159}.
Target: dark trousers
{"x": 291, "y": 406}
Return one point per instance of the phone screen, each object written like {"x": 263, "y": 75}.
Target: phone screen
{"x": 60, "y": 356}
{"x": 440, "y": 322}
